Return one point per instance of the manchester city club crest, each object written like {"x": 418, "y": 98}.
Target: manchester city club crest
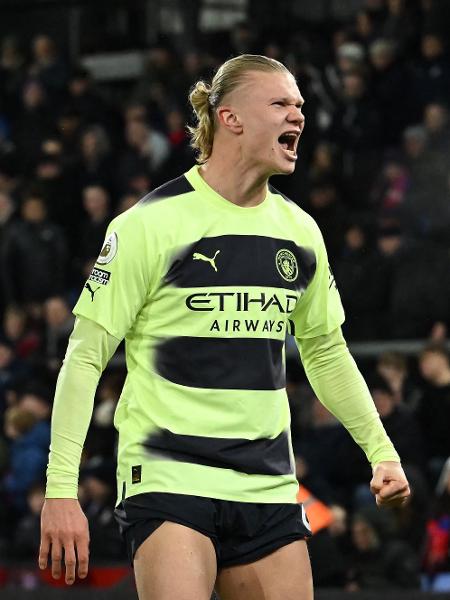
{"x": 286, "y": 264}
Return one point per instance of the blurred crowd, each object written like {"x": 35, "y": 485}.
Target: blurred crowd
{"x": 374, "y": 173}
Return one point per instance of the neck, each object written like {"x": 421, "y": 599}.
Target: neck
{"x": 238, "y": 181}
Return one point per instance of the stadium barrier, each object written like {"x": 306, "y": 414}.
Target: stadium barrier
{"x": 116, "y": 582}
{"x": 124, "y": 594}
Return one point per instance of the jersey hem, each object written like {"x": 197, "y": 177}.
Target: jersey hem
{"x": 257, "y": 499}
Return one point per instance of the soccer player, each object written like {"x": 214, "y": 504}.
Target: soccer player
{"x": 203, "y": 278}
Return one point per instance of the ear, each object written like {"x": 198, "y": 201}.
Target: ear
{"x": 229, "y": 119}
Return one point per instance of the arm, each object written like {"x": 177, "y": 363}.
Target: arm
{"x": 64, "y": 526}
{"x": 340, "y": 387}
{"x": 109, "y": 303}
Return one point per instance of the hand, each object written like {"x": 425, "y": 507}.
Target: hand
{"x": 389, "y": 484}
{"x": 64, "y": 527}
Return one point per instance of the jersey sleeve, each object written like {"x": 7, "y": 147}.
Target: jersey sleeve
{"x": 340, "y": 387}
{"x": 319, "y": 311}
{"x": 89, "y": 349}
{"x": 123, "y": 276}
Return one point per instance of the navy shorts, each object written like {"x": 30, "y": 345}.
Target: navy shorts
{"x": 241, "y": 532}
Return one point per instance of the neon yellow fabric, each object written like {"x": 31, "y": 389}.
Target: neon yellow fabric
{"x": 89, "y": 349}
{"x": 131, "y": 295}
{"x": 340, "y": 387}
{"x": 187, "y": 277}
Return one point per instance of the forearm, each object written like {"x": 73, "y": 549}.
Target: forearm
{"x": 339, "y": 385}
{"x": 89, "y": 349}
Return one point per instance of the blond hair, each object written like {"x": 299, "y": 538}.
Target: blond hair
{"x": 205, "y": 98}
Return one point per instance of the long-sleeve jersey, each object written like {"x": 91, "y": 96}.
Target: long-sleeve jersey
{"x": 204, "y": 292}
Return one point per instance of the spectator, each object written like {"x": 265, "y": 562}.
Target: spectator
{"x": 361, "y": 280}
{"x": 390, "y": 188}
{"x": 34, "y": 397}
{"x": 176, "y": 127}
{"x": 9, "y": 177}
{"x": 95, "y": 165}
{"x": 399, "y": 24}
{"x": 424, "y": 210}
{"x": 53, "y": 183}
{"x": 193, "y": 68}
{"x": 365, "y": 29}
{"x": 96, "y": 204}
{"x": 327, "y": 210}
{"x": 378, "y": 560}
{"x": 32, "y": 124}
{"x": 48, "y": 66}
{"x": 97, "y": 482}
{"x": 88, "y": 101}
{"x": 28, "y": 454}
{"x": 12, "y": 372}
{"x": 102, "y": 437}
{"x": 12, "y": 72}
{"x": 410, "y": 519}
{"x": 146, "y": 152}
{"x": 69, "y": 124}
{"x": 7, "y": 215}
{"x": 325, "y": 165}
{"x": 325, "y": 86}
{"x": 393, "y": 368}
{"x": 432, "y": 73}
{"x": 160, "y": 69}
{"x": 27, "y": 535}
{"x": 391, "y": 89}
{"x": 58, "y": 326}
{"x": 434, "y": 408}
{"x": 437, "y": 549}
{"x": 7, "y": 211}
{"x": 437, "y": 125}
{"x": 400, "y": 423}
{"x": 19, "y": 332}
{"x": 34, "y": 255}
{"x": 243, "y": 38}
{"x": 356, "y": 129}
{"x": 435, "y": 15}
{"x": 127, "y": 201}
{"x": 419, "y": 287}
{"x": 331, "y": 458}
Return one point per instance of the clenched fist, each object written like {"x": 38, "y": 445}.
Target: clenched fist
{"x": 389, "y": 484}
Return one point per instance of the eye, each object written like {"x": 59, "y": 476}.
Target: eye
{"x": 278, "y": 103}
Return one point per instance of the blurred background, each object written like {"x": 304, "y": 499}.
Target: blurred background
{"x": 93, "y": 114}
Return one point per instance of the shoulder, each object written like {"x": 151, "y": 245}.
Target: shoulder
{"x": 171, "y": 189}
{"x": 299, "y": 217}
{"x": 158, "y": 212}
{"x": 161, "y": 202}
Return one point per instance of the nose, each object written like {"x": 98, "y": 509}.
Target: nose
{"x": 296, "y": 116}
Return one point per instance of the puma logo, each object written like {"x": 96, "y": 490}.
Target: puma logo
{"x": 212, "y": 261}
{"x": 91, "y": 291}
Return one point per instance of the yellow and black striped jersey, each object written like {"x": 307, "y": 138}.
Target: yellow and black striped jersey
{"x": 204, "y": 292}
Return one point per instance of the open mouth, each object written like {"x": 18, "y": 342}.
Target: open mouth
{"x": 288, "y": 141}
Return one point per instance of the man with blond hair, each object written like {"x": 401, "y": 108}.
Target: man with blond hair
{"x": 204, "y": 278}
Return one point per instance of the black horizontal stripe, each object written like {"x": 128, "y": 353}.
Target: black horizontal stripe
{"x": 222, "y": 363}
{"x": 241, "y": 260}
{"x": 255, "y": 457}
{"x": 175, "y": 187}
